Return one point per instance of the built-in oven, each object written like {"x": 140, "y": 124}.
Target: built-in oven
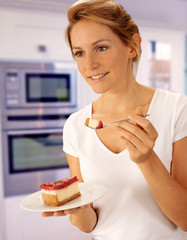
{"x": 33, "y": 157}
{"x": 32, "y": 85}
{"x": 36, "y": 99}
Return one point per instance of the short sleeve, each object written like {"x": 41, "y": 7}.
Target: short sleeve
{"x": 181, "y": 119}
{"x": 69, "y": 137}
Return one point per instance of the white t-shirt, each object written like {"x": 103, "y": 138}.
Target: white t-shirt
{"x": 128, "y": 211}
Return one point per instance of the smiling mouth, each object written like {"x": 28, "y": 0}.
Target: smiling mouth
{"x": 96, "y": 77}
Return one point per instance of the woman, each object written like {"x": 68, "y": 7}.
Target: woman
{"x": 142, "y": 162}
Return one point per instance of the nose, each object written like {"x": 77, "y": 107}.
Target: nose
{"x": 91, "y": 62}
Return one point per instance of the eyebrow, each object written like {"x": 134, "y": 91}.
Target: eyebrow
{"x": 94, "y": 43}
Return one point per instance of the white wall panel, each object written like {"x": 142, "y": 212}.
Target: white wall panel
{"x": 177, "y": 40}
{"x": 23, "y": 31}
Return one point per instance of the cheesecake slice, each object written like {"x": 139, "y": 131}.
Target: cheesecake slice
{"x": 60, "y": 192}
{"x": 93, "y": 123}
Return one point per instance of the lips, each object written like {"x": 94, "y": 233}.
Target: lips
{"x": 98, "y": 76}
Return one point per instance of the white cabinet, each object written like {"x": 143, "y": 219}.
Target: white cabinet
{"x": 2, "y": 209}
{"x": 177, "y": 41}
{"x": 36, "y": 35}
{"x": 26, "y": 225}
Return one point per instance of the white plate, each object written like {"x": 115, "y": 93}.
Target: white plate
{"x": 89, "y": 193}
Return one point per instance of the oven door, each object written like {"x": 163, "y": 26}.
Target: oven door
{"x": 31, "y": 158}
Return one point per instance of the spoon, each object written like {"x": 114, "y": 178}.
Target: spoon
{"x": 96, "y": 124}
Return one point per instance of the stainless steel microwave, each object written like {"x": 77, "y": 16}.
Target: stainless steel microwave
{"x": 35, "y": 101}
{"x": 36, "y": 85}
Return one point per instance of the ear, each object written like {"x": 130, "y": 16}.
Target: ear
{"x": 137, "y": 38}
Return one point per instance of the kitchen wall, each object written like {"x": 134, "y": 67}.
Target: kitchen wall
{"x": 25, "y": 225}
{"x": 176, "y": 39}
{"x": 186, "y": 65}
{"x": 21, "y": 32}
{"x": 2, "y": 202}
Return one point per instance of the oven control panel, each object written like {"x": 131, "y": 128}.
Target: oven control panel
{"x": 12, "y": 87}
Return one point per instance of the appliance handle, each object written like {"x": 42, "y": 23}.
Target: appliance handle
{"x": 18, "y": 132}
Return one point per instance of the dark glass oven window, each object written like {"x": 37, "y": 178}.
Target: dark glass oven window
{"x": 46, "y": 87}
{"x": 36, "y": 152}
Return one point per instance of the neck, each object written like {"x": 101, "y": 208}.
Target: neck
{"x": 121, "y": 100}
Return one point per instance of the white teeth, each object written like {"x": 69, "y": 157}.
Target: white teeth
{"x": 98, "y": 76}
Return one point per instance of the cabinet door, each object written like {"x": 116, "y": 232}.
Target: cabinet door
{"x": 34, "y": 35}
{"x": 26, "y": 225}
{"x": 176, "y": 40}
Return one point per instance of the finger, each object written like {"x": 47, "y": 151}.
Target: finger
{"x": 59, "y": 213}
{"x": 129, "y": 146}
{"x": 145, "y": 124}
{"x": 86, "y": 206}
{"x": 75, "y": 210}
{"x": 63, "y": 212}
{"x": 136, "y": 136}
{"x": 137, "y": 155}
{"x": 136, "y": 141}
{"x": 47, "y": 214}
{"x": 139, "y": 111}
{"x": 133, "y": 129}
{"x": 72, "y": 211}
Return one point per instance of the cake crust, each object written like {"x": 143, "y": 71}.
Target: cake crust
{"x": 51, "y": 200}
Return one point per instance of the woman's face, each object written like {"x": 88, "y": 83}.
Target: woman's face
{"x": 102, "y": 59}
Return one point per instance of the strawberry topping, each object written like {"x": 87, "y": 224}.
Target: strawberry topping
{"x": 100, "y": 125}
{"x": 58, "y": 184}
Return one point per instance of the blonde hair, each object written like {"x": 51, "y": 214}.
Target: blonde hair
{"x": 111, "y": 14}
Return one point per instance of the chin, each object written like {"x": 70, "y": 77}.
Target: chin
{"x": 98, "y": 91}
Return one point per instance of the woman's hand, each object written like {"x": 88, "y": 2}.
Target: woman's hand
{"x": 139, "y": 136}
{"x": 64, "y": 212}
